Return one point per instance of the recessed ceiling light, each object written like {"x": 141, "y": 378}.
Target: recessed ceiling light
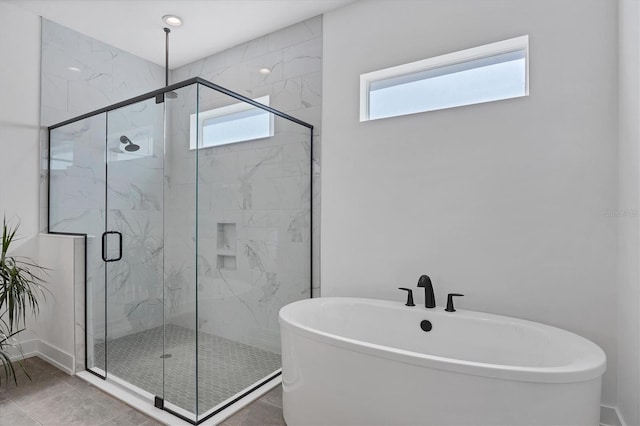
{"x": 264, "y": 71}
{"x": 74, "y": 69}
{"x": 172, "y": 20}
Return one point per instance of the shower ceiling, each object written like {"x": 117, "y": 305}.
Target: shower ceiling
{"x": 210, "y": 26}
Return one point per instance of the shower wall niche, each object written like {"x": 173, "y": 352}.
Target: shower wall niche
{"x": 197, "y": 211}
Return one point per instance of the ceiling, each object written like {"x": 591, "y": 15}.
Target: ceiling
{"x": 210, "y": 26}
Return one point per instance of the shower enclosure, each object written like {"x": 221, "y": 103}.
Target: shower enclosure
{"x": 197, "y": 216}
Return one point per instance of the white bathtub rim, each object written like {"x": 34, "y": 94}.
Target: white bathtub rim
{"x": 582, "y": 370}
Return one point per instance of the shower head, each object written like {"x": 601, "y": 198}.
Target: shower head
{"x": 131, "y": 147}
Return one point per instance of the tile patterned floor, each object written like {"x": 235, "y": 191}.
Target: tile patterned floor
{"x": 225, "y": 367}
{"x": 265, "y": 411}
{"x": 53, "y": 398}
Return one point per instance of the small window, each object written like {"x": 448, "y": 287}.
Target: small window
{"x": 486, "y": 73}
{"x": 234, "y": 123}
{"x": 61, "y": 155}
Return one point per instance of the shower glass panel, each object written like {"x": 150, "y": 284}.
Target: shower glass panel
{"x": 133, "y": 244}
{"x": 253, "y": 242}
{"x": 180, "y": 362}
{"x": 77, "y": 190}
{"x": 197, "y": 212}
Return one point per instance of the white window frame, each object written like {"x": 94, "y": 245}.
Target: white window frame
{"x": 487, "y": 50}
{"x": 195, "y": 138}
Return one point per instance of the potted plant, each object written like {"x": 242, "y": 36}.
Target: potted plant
{"x": 21, "y": 285}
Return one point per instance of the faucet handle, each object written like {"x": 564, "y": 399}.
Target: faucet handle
{"x": 450, "y": 297}
{"x": 409, "y": 296}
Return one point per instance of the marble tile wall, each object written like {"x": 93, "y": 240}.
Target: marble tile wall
{"x": 258, "y": 191}
{"x": 134, "y": 198}
{"x": 294, "y": 56}
{"x": 79, "y": 75}
{"x": 134, "y": 201}
{"x": 260, "y": 187}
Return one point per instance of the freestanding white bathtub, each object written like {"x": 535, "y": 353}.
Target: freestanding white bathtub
{"x": 350, "y": 361}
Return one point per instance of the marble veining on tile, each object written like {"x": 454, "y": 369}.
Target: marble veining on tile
{"x": 263, "y": 187}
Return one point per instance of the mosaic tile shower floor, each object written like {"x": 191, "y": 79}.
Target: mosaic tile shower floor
{"x": 225, "y": 367}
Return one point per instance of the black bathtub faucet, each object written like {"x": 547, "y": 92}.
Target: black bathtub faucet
{"x": 429, "y": 298}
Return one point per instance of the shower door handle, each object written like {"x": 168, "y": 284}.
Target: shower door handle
{"x": 104, "y": 246}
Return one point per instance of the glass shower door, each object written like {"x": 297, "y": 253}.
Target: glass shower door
{"x": 197, "y": 217}
{"x": 132, "y": 246}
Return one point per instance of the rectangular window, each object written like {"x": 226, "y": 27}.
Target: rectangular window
{"x": 234, "y": 123}
{"x": 482, "y": 74}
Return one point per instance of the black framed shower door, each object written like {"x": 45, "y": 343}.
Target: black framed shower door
{"x": 110, "y": 179}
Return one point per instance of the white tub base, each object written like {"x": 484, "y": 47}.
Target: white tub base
{"x": 351, "y": 361}
{"x": 327, "y": 385}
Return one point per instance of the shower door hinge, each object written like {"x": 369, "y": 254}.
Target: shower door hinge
{"x": 160, "y": 98}
{"x": 159, "y": 403}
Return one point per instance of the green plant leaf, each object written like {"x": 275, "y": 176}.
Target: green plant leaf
{"x": 21, "y": 286}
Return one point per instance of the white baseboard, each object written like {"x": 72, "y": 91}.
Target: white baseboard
{"x": 27, "y": 349}
{"x": 56, "y": 357}
{"x": 610, "y": 416}
{"x": 47, "y": 352}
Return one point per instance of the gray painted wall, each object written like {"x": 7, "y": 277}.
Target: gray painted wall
{"x": 629, "y": 208}
{"x": 505, "y": 202}
{"x": 19, "y": 118}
